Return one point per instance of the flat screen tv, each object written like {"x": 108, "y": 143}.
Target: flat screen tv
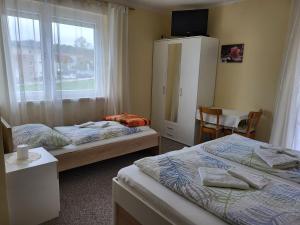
{"x": 189, "y": 22}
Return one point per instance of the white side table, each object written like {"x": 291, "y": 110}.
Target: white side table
{"x": 32, "y": 189}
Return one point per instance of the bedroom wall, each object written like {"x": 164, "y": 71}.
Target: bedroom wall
{"x": 262, "y": 27}
{"x": 144, "y": 27}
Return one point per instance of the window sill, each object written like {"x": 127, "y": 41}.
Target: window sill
{"x": 83, "y": 99}
{"x": 68, "y": 100}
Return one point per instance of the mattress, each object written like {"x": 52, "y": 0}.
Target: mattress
{"x": 172, "y": 205}
{"x": 98, "y": 131}
{"x": 146, "y": 131}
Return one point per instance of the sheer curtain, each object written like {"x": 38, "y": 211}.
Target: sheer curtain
{"x": 118, "y": 80}
{"x": 286, "y": 126}
{"x": 59, "y": 51}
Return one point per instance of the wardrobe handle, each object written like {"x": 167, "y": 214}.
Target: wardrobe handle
{"x": 164, "y": 90}
{"x": 180, "y": 92}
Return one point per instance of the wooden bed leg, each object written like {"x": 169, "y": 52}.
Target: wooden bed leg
{"x": 122, "y": 217}
{"x": 156, "y": 150}
{"x": 114, "y": 205}
{"x": 7, "y": 136}
{"x": 160, "y": 145}
{"x": 114, "y": 213}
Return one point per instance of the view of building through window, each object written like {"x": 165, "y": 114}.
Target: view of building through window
{"x": 74, "y": 54}
{"x": 73, "y": 58}
{"x": 26, "y": 52}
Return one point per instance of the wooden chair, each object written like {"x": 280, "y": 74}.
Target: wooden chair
{"x": 250, "y": 129}
{"x": 212, "y": 129}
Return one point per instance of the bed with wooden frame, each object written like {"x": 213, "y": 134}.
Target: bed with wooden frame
{"x": 138, "y": 199}
{"x": 131, "y": 209}
{"x": 106, "y": 149}
{"x": 131, "y": 206}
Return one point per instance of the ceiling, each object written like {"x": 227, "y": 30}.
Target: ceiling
{"x": 174, "y": 4}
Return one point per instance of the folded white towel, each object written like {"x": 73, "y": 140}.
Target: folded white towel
{"x": 255, "y": 181}
{"x": 281, "y": 150}
{"x": 277, "y": 160}
{"x": 83, "y": 125}
{"x": 214, "y": 177}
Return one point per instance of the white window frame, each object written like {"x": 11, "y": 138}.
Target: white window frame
{"x": 64, "y": 15}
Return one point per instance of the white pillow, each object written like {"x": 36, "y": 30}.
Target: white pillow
{"x": 38, "y": 135}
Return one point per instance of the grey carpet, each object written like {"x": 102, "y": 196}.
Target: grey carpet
{"x": 85, "y": 192}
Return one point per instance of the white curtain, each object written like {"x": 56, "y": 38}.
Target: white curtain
{"x": 286, "y": 126}
{"x": 59, "y": 51}
{"x": 118, "y": 80}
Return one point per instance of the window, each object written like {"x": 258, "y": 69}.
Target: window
{"x": 74, "y": 60}
{"x": 67, "y": 69}
{"x": 25, "y": 49}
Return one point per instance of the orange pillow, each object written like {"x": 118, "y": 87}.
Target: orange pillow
{"x": 120, "y": 116}
{"x": 114, "y": 117}
{"x": 135, "y": 122}
{"x": 129, "y": 120}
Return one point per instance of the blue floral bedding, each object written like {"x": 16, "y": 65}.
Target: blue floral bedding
{"x": 96, "y": 132}
{"x": 277, "y": 204}
{"x": 241, "y": 149}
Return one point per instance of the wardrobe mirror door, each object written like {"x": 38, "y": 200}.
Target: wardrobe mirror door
{"x": 172, "y": 82}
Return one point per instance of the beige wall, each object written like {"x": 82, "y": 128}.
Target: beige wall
{"x": 144, "y": 28}
{"x": 262, "y": 26}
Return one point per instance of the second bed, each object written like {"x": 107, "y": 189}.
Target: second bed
{"x": 140, "y": 199}
{"x": 75, "y": 155}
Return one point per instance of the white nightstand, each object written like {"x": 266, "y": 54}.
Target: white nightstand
{"x": 33, "y": 189}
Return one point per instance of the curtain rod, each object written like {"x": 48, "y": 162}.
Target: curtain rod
{"x": 116, "y": 2}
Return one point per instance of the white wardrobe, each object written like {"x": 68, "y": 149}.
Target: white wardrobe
{"x": 184, "y": 74}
